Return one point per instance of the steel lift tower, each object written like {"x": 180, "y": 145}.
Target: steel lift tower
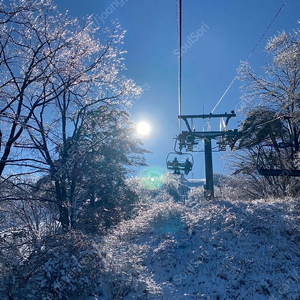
{"x": 189, "y": 138}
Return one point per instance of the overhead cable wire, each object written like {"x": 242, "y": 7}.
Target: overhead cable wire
{"x": 179, "y": 59}
{"x": 236, "y": 76}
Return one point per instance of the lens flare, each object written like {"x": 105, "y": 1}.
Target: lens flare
{"x": 152, "y": 178}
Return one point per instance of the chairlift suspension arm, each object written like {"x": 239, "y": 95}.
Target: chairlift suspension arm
{"x": 206, "y": 116}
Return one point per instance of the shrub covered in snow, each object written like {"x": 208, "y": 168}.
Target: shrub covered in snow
{"x": 63, "y": 267}
{"x": 214, "y": 250}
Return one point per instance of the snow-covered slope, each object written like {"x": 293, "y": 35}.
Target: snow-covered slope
{"x": 214, "y": 250}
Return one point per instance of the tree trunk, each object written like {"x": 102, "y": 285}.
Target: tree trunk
{"x": 62, "y": 205}
{"x": 73, "y": 204}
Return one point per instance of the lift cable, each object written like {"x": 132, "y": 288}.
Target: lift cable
{"x": 179, "y": 57}
{"x": 236, "y": 76}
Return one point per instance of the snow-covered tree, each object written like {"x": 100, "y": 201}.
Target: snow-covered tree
{"x": 32, "y": 38}
{"x": 46, "y": 56}
{"x": 63, "y": 92}
{"x": 90, "y": 176}
{"x": 278, "y": 91}
{"x": 272, "y": 110}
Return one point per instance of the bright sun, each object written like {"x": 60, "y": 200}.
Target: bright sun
{"x": 143, "y": 128}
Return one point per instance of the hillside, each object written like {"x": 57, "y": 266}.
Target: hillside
{"x": 215, "y": 250}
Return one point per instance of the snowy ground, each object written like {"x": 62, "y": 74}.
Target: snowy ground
{"x": 214, "y": 250}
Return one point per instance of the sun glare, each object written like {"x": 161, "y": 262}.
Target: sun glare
{"x": 143, "y": 128}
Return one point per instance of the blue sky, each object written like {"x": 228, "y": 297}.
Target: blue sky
{"x": 223, "y": 32}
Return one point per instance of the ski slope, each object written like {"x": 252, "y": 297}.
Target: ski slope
{"x": 213, "y": 250}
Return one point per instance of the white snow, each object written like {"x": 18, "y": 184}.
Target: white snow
{"x": 213, "y": 250}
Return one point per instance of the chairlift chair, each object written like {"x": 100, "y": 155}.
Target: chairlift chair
{"x": 179, "y": 162}
{"x": 272, "y": 164}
